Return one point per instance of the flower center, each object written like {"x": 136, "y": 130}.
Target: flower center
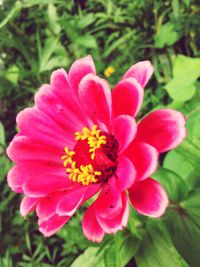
{"x": 94, "y": 158}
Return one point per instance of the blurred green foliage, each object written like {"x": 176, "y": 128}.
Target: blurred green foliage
{"x": 37, "y": 37}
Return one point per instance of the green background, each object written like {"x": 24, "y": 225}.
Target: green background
{"x": 37, "y": 37}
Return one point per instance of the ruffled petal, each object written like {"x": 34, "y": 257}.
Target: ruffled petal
{"x": 149, "y": 198}
{"x": 111, "y": 226}
{"x": 124, "y": 129}
{"x": 69, "y": 119}
{"x": 42, "y": 186}
{"x": 46, "y": 207}
{"x": 28, "y": 205}
{"x": 24, "y": 149}
{"x": 127, "y": 97}
{"x": 40, "y": 127}
{"x": 164, "y": 129}
{"x": 141, "y": 71}
{"x": 125, "y": 174}
{"x": 95, "y": 96}
{"x": 79, "y": 69}
{"x": 144, "y": 157}
{"x": 52, "y": 225}
{"x": 68, "y": 204}
{"x": 91, "y": 228}
{"x": 109, "y": 200}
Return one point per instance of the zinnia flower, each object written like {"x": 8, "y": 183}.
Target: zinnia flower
{"x": 80, "y": 140}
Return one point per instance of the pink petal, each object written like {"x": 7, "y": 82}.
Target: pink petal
{"x": 41, "y": 186}
{"x": 27, "y": 205}
{"x": 91, "y": 228}
{"x": 141, "y": 71}
{"x": 144, "y": 157}
{"x": 68, "y": 204}
{"x": 111, "y": 226}
{"x": 164, "y": 129}
{"x": 52, "y": 225}
{"x": 95, "y": 96}
{"x": 40, "y": 127}
{"x": 23, "y": 171}
{"x": 46, "y": 207}
{"x": 149, "y": 198}
{"x": 68, "y": 119}
{"x": 127, "y": 97}
{"x": 125, "y": 174}
{"x": 79, "y": 69}
{"x": 109, "y": 201}
{"x": 24, "y": 149}
{"x": 15, "y": 181}
{"x": 124, "y": 128}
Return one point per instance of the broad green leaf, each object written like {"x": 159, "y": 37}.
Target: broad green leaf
{"x": 178, "y": 163}
{"x": 90, "y": 258}
{"x": 183, "y": 222}
{"x": 121, "y": 250}
{"x": 175, "y": 186}
{"x": 157, "y": 249}
{"x": 186, "y": 71}
{"x": 180, "y": 89}
{"x": 166, "y": 36}
{"x": 186, "y": 68}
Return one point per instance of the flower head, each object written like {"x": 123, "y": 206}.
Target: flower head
{"x": 81, "y": 140}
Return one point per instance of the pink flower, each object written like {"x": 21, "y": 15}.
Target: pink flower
{"x": 79, "y": 139}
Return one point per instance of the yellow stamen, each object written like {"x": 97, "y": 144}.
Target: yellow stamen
{"x": 84, "y": 174}
{"x": 94, "y": 139}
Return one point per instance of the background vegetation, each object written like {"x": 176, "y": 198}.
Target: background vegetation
{"x": 38, "y": 36}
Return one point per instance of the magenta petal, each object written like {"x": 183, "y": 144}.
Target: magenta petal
{"x": 68, "y": 204}
{"x": 124, "y": 128}
{"x": 46, "y": 207}
{"x": 149, "y": 198}
{"x": 125, "y": 174}
{"x": 52, "y": 225}
{"x": 28, "y": 205}
{"x": 15, "y": 180}
{"x": 95, "y": 96}
{"x": 111, "y": 226}
{"x": 41, "y": 186}
{"x": 144, "y": 157}
{"x": 127, "y": 97}
{"x": 141, "y": 71}
{"x": 91, "y": 228}
{"x": 164, "y": 129}
{"x": 79, "y": 69}
{"x": 109, "y": 201}
{"x": 24, "y": 149}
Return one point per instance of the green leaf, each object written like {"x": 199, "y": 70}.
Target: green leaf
{"x": 178, "y": 163}
{"x": 186, "y": 71}
{"x": 175, "y": 186}
{"x": 87, "y": 41}
{"x": 184, "y": 226}
{"x": 157, "y": 249}
{"x": 166, "y": 36}
{"x": 180, "y": 89}
{"x": 12, "y": 74}
{"x": 186, "y": 67}
{"x": 2, "y": 136}
{"x": 89, "y": 258}
{"x": 53, "y": 18}
{"x": 122, "y": 249}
